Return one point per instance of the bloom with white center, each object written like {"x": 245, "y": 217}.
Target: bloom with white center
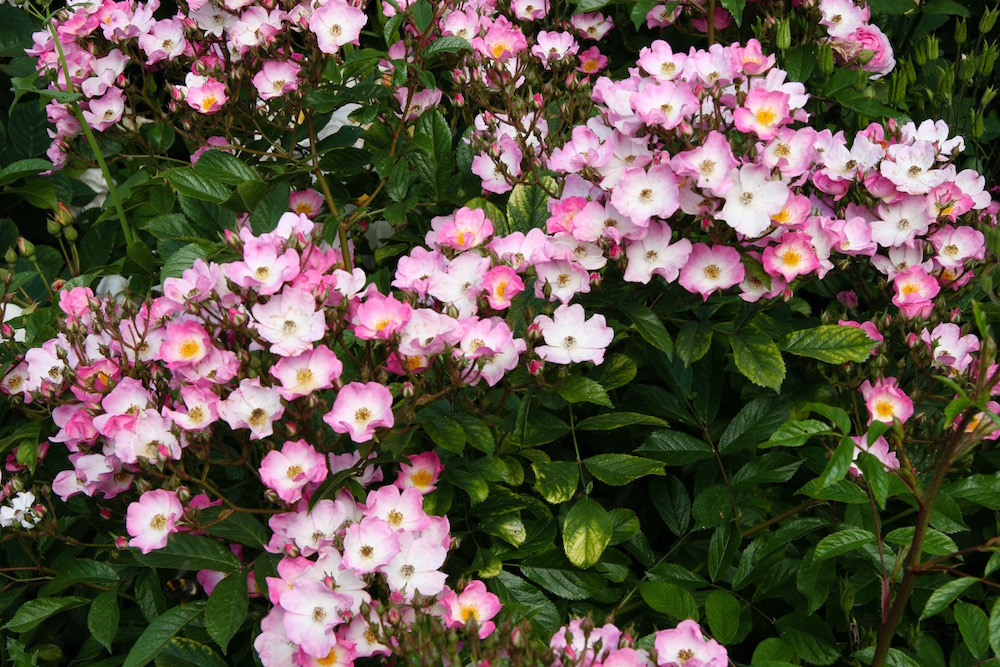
{"x": 753, "y": 200}
{"x": 950, "y": 348}
{"x": 289, "y": 321}
{"x": 642, "y": 194}
{"x": 152, "y": 518}
{"x": 20, "y": 511}
{"x": 473, "y": 602}
{"x": 311, "y": 610}
{"x": 710, "y": 268}
{"x": 415, "y": 569}
{"x": 287, "y": 472}
{"x": 276, "y": 78}
{"x": 359, "y": 409}
{"x": 712, "y": 163}
{"x": 305, "y": 373}
{"x": 911, "y": 168}
{"x": 571, "y": 338}
{"x": 955, "y": 245}
{"x": 901, "y": 221}
{"x": 655, "y": 254}
{"x": 252, "y": 406}
{"x": 879, "y": 449}
{"x": 335, "y": 24}
{"x": 369, "y": 545}
{"x": 793, "y": 256}
{"x": 686, "y": 643}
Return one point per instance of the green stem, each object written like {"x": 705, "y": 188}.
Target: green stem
{"x": 92, "y": 140}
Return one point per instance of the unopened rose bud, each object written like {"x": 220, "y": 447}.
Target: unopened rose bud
{"x": 291, "y": 551}
{"x": 121, "y": 542}
{"x": 52, "y": 227}
{"x": 142, "y": 485}
{"x": 25, "y": 248}
{"x": 70, "y": 234}
{"x": 63, "y": 215}
{"x": 183, "y": 493}
{"x": 58, "y": 284}
{"x": 105, "y": 513}
{"x": 407, "y": 390}
{"x": 912, "y": 340}
{"x": 291, "y": 429}
{"x": 536, "y": 366}
{"x": 595, "y": 279}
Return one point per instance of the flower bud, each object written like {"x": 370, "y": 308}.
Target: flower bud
{"x": 920, "y": 55}
{"x": 407, "y": 390}
{"x": 536, "y": 366}
{"x": 988, "y": 20}
{"x": 291, "y": 551}
{"x": 291, "y": 429}
{"x": 121, "y": 542}
{"x": 52, "y": 227}
{"x": 989, "y": 59}
{"x": 784, "y": 36}
{"x": 933, "y": 48}
{"x": 824, "y": 59}
{"x": 70, "y": 234}
{"x": 63, "y": 215}
{"x": 25, "y": 248}
{"x": 183, "y": 494}
{"x": 961, "y": 32}
{"x": 11, "y": 256}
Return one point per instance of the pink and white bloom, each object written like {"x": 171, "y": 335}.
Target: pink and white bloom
{"x": 466, "y": 229}
{"x": 885, "y": 401}
{"x": 710, "y": 268}
{"x": 379, "y": 317}
{"x": 642, "y": 194}
{"x": 950, "y": 348}
{"x": 572, "y": 338}
{"x": 276, "y": 78}
{"x": 359, "y": 409}
{"x": 753, "y": 200}
{"x": 879, "y": 449}
{"x": 185, "y": 343}
{"x": 290, "y": 321}
{"x": 763, "y": 112}
{"x": 686, "y": 645}
{"x": 793, "y": 256}
{"x": 369, "y": 545}
{"x": 420, "y": 473}
{"x": 502, "y": 284}
{"x": 502, "y": 40}
{"x": 915, "y": 290}
{"x": 152, "y": 518}
{"x": 336, "y": 23}
{"x": 402, "y": 509}
{"x": 252, "y": 406}
{"x": 307, "y": 372}
{"x": 654, "y": 254}
{"x": 474, "y": 602}
{"x": 288, "y": 472}
{"x": 206, "y": 95}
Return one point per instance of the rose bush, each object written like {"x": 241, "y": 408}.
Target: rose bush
{"x": 498, "y": 333}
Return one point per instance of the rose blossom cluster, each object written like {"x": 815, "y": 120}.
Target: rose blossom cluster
{"x": 204, "y": 50}
{"x": 337, "y": 554}
{"x": 855, "y": 40}
{"x": 698, "y": 166}
{"x": 684, "y": 646}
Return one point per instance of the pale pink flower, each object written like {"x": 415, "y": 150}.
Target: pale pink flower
{"x": 666, "y": 104}
{"x": 369, "y": 545}
{"x": 712, "y": 163}
{"x": 686, "y": 644}
{"x": 710, "y": 268}
{"x": 335, "y": 24}
{"x": 420, "y": 473}
{"x": 491, "y": 345}
{"x": 753, "y": 200}
{"x": 654, "y": 254}
{"x": 306, "y": 202}
{"x": 312, "y": 609}
{"x": 380, "y": 316}
{"x": 502, "y": 284}
{"x": 290, "y": 321}
{"x": 165, "y": 41}
{"x": 660, "y": 62}
{"x": 466, "y": 229}
{"x": 593, "y": 26}
{"x": 791, "y": 257}
{"x": 276, "y": 78}
{"x": 885, "y": 401}
{"x": 402, "y": 509}
{"x": 572, "y": 338}
{"x": 643, "y": 194}
{"x": 415, "y": 569}
{"x": 288, "y": 472}
{"x": 359, "y": 409}
{"x": 915, "y": 290}
{"x": 564, "y": 279}
{"x": 252, "y": 406}
{"x": 950, "y": 348}
{"x": 103, "y": 112}
{"x": 502, "y": 40}
{"x": 207, "y": 97}
{"x": 956, "y": 245}
{"x": 554, "y": 46}
{"x": 475, "y": 602}
{"x": 307, "y": 372}
{"x": 262, "y": 267}
{"x": 152, "y": 519}
{"x": 763, "y": 113}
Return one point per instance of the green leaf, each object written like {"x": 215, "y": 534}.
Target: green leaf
{"x": 527, "y": 207}
{"x": 587, "y": 532}
{"x": 839, "y": 463}
{"x": 159, "y": 633}
{"x": 675, "y": 448}
{"x": 841, "y": 492}
{"x": 810, "y": 638}
{"x": 443, "y": 428}
{"x": 226, "y": 608}
{"x": 237, "y": 527}
{"x": 722, "y": 610}
{"x": 813, "y": 580}
{"x": 832, "y": 343}
{"x": 722, "y": 547}
{"x": 796, "y": 432}
{"x": 22, "y": 168}
{"x": 616, "y": 371}
{"x": 671, "y": 500}
{"x": 734, "y": 7}
{"x": 590, "y": 5}
{"x": 265, "y": 215}
{"x": 434, "y": 162}
{"x": 758, "y": 359}
{"x": 670, "y": 599}
{"x": 892, "y": 7}
{"x": 81, "y": 569}
{"x": 895, "y": 658}
{"x": 521, "y": 599}
{"x": 399, "y": 181}
{"x": 626, "y": 525}
{"x": 650, "y": 327}
{"x": 612, "y": 420}
{"x": 838, "y": 416}
{"x": 621, "y": 469}
{"x": 947, "y": 8}
{"x": 103, "y": 618}
{"x": 191, "y": 184}
{"x": 182, "y": 260}
{"x": 34, "y": 612}
{"x": 842, "y": 542}
{"x": 556, "y": 481}
{"x": 184, "y": 652}
{"x": 754, "y": 423}
{"x": 640, "y": 9}
{"x": 224, "y": 167}
{"x": 875, "y": 476}
{"x": 555, "y": 574}
{"x": 577, "y": 389}
{"x": 694, "y": 341}
{"x": 945, "y": 595}
{"x": 975, "y": 628}
{"x": 191, "y": 552}
{"x": 449, "y": 44}
{"x": 800, "y": 62}
{"x": 995, "y": 627}
{"x": 712, "y": 506}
